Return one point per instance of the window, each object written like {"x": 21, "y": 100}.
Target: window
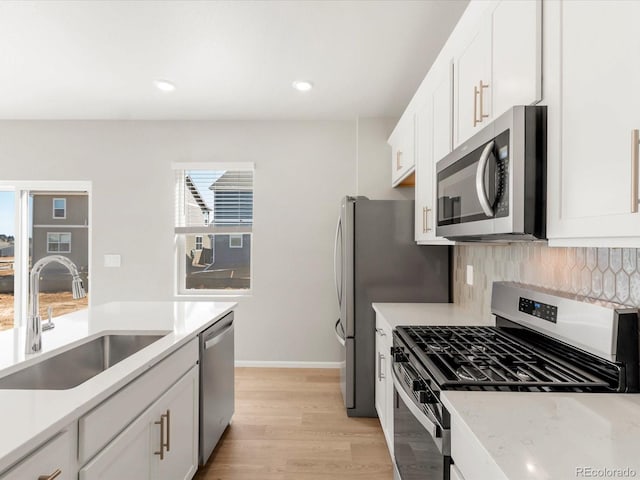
{"x": 214, "y": 228}
{"x": 58, "y": 242}
{"x": 26, "y": 236}
{"x": 235, "y": 241}
{"x": 60, "y": 208}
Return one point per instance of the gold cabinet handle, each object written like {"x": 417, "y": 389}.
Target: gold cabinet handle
{"x": 55, "y": 474}
{"x": 426, "y": 220}
{"x": 481, "y": 93}
{"x": 161, "y": 423}
{"x": 475, "y": 106}
{"x": 167, "y": 416}
{"x": 635, "y": 159}
{"x": 398, "y": 160}
{"x": 380, "y": 374}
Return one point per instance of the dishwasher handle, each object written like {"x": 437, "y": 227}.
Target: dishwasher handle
{"x": 218, "y": 337}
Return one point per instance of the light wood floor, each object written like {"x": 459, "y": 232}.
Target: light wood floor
{"x": 290, "y": 424}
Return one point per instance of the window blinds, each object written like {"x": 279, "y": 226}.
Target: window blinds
{"x": 214, "y": 200}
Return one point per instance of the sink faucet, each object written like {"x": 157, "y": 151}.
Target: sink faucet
{"x": 34, "y": 322}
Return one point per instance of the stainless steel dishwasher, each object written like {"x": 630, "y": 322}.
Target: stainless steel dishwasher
{"x": 216, "y": 383}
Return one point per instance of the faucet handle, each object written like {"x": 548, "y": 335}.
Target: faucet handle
{"x": 49, "y": 325}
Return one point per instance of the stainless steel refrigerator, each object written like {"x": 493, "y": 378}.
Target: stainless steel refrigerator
{"x": 377, "y": 260}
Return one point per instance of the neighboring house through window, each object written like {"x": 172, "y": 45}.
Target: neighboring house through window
{"x": 60, "y": 208}
{"x": 235, "y": 241}
{"x": 214, "y": 223}
{"x": 58, "y": 242}
{"x": 41, "y": 218}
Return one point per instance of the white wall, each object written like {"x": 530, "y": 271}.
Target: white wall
{"x": 374, "y": 161}
{"x": 302, "y": 171}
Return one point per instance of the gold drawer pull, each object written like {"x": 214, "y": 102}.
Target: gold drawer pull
{"x": 481, "y": 93}
{"x": 55, "y": 474}
{"x": 635, "y": 154}
{"x": 168, "y": 442}
{"x": 161, "y": 423}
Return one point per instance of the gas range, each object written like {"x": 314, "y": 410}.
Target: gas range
{"x": 542, "y": 341}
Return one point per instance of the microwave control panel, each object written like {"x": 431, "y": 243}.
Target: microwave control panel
{"x": 501, "y": 149}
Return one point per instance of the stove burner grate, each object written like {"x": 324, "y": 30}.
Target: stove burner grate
{"x": 486, "y": 356}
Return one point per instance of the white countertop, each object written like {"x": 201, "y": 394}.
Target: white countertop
{"x": 397, "y": 314}
{"x": 29, "y": 417}
{"x": 526, "y": 436}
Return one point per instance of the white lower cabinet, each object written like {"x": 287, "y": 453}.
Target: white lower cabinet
{"x": 55, "y": 459}
{"x": 161, "y": 444}
{"x": 384, "y": 382}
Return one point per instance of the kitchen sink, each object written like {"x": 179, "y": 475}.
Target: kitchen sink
{"x": 73, "y": 367}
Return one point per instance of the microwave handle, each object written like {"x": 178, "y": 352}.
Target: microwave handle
{"x": 480, "y": 190}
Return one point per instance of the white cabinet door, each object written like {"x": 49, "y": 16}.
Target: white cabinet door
{"x": 384, "y": 402}
{"x": 128, "y": 456}
{"x": 425, "y": 208}
{"x": 402, "y": 150}
{"x": 517, "y": 54}
{"x": 499, "y": 67}
{"x": 591, "y": 193}
{"x": 56, "y": 455}
{"x": 380, "y": 390}
{"x": 473, "y": 84}
{"x": 178, "y": 410}
{"x": 136, "y": 452}
{"x": 433, "y": 141}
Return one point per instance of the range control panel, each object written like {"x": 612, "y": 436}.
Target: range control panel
{"x": 539, "y": 309}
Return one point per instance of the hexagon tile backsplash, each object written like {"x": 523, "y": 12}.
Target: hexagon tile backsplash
{"x": 606, "y": 273}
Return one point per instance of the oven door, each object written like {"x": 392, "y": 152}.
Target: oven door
{"x": 419, "y": 450}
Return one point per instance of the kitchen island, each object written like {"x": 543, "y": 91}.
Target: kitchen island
{"x": 30, "y": 418}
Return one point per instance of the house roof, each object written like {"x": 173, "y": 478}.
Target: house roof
{"x": 195, "y": 193}
{"x": 234, "y": 180}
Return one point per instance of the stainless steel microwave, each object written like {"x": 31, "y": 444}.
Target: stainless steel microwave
{"x": 493, "y": 186}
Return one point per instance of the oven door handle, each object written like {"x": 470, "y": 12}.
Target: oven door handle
{"x": 430, "y": 426}
{"x": 480, "y": 190}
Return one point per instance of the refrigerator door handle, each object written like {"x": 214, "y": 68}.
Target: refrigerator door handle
{"x": 340, "y": 338}
{"x": 335, "y": 261}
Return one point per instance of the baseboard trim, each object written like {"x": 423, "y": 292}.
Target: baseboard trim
{"x": 257, "y": 364}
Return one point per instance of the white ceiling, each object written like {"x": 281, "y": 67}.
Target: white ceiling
{"x": 229, "y": 60}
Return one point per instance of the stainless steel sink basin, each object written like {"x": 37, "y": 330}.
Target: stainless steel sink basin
{"x": 73, "y": 367}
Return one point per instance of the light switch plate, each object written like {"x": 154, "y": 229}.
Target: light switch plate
{"x": 112, "y": 261}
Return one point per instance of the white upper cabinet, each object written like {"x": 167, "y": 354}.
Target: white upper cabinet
{"x": 473, "y": 83}
{"x": 498, "y": 64}
{"x": 594, "y": 111}
{"x": 402, "y": 152}
{"x": 517, "y": 54}
{"x": 433, "y": 141}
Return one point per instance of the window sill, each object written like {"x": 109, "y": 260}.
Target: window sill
{"x": 209, "y": 295}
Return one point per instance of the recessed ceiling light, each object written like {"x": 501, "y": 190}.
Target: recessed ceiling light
{"x": 302, "y": 85}
{"x": 164, "y": 85}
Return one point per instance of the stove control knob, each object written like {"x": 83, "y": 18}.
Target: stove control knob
{"x": 427, "y": 397}
{"x": 418, "y": 385}
{"x": 399, "y": 356}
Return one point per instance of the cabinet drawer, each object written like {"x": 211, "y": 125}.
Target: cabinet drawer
{"x": 103, "y": 423}
{"x": 56, "y": 454}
